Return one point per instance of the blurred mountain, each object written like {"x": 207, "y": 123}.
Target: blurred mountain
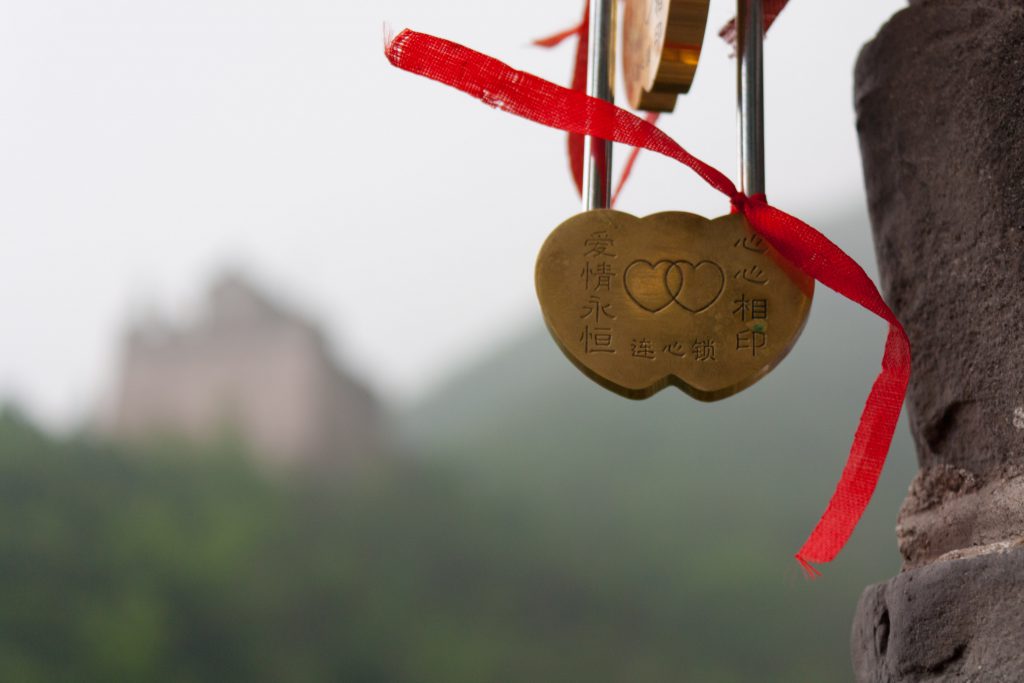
{"x": 251, "y": 365}
{"x": 539, "y": 530}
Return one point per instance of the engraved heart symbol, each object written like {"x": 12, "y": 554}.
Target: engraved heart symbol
{"x": 702, "y": 285}
{"x": 607, "y": 282}
{"x": 653, "y": 286}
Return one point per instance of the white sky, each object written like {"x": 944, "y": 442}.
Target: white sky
{"x": 144, "y": 144}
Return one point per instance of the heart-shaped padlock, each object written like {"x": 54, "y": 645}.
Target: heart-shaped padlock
{"x": 673, "y": 298}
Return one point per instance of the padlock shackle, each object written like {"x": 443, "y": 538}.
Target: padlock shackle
{"x": 597, "y": 154}
{"x": 750, "y": 93}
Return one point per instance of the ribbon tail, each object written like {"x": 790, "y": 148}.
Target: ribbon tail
{"x": 867, "y": 455}
{"x": 817, "y": 256}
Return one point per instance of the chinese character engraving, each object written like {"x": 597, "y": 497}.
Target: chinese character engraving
{"x": 750, "y": 309}
{"x": 751, "y": 339}
{"x": 597, "y": 278}
{"x": 753, "y": 243}
{"x": 598, "y": 244}
{"x": 754, "y": 275}
{"x": 596, "y": 310}
{"x": 676, "y": 348}
{"x": 597, "y": 340}
{"x": 642, "y": 348}
{"x": 703, "y": 350}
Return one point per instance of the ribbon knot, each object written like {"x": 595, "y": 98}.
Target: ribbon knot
{"x": 740, "y": 200}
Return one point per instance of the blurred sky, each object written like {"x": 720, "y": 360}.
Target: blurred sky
{"x": 144, "y": 145}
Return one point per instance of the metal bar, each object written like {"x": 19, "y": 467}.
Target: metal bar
{"x": 597, "y": 154}
{"x": 750, "y": 93}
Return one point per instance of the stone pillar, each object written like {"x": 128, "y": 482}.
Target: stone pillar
{"x": 940, "y": 113}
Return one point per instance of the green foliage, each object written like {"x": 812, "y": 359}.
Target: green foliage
{"x": 185, "y": 563}
{"x": 538, "y": 530}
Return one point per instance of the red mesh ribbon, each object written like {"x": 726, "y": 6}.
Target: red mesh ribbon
{"x": 533, "y": 98}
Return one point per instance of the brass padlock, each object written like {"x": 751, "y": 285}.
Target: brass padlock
{"x": 640, "y": 303}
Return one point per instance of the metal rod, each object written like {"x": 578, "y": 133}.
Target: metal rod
{"x": 750, "y": 93}
{"x": 597, "y": 153}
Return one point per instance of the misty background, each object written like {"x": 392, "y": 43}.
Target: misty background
{"x": 147, "y": 144}
{"x": 499, "y": 517}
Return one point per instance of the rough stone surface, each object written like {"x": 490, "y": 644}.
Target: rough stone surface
{"x": 939, "y": 517}
{"x": 940, "y": 112}
{"x": 940, "y": 96}
{"x": 953, "y": 620}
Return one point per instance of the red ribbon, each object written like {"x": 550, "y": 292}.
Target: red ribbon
{"x": 541, "y": 101}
